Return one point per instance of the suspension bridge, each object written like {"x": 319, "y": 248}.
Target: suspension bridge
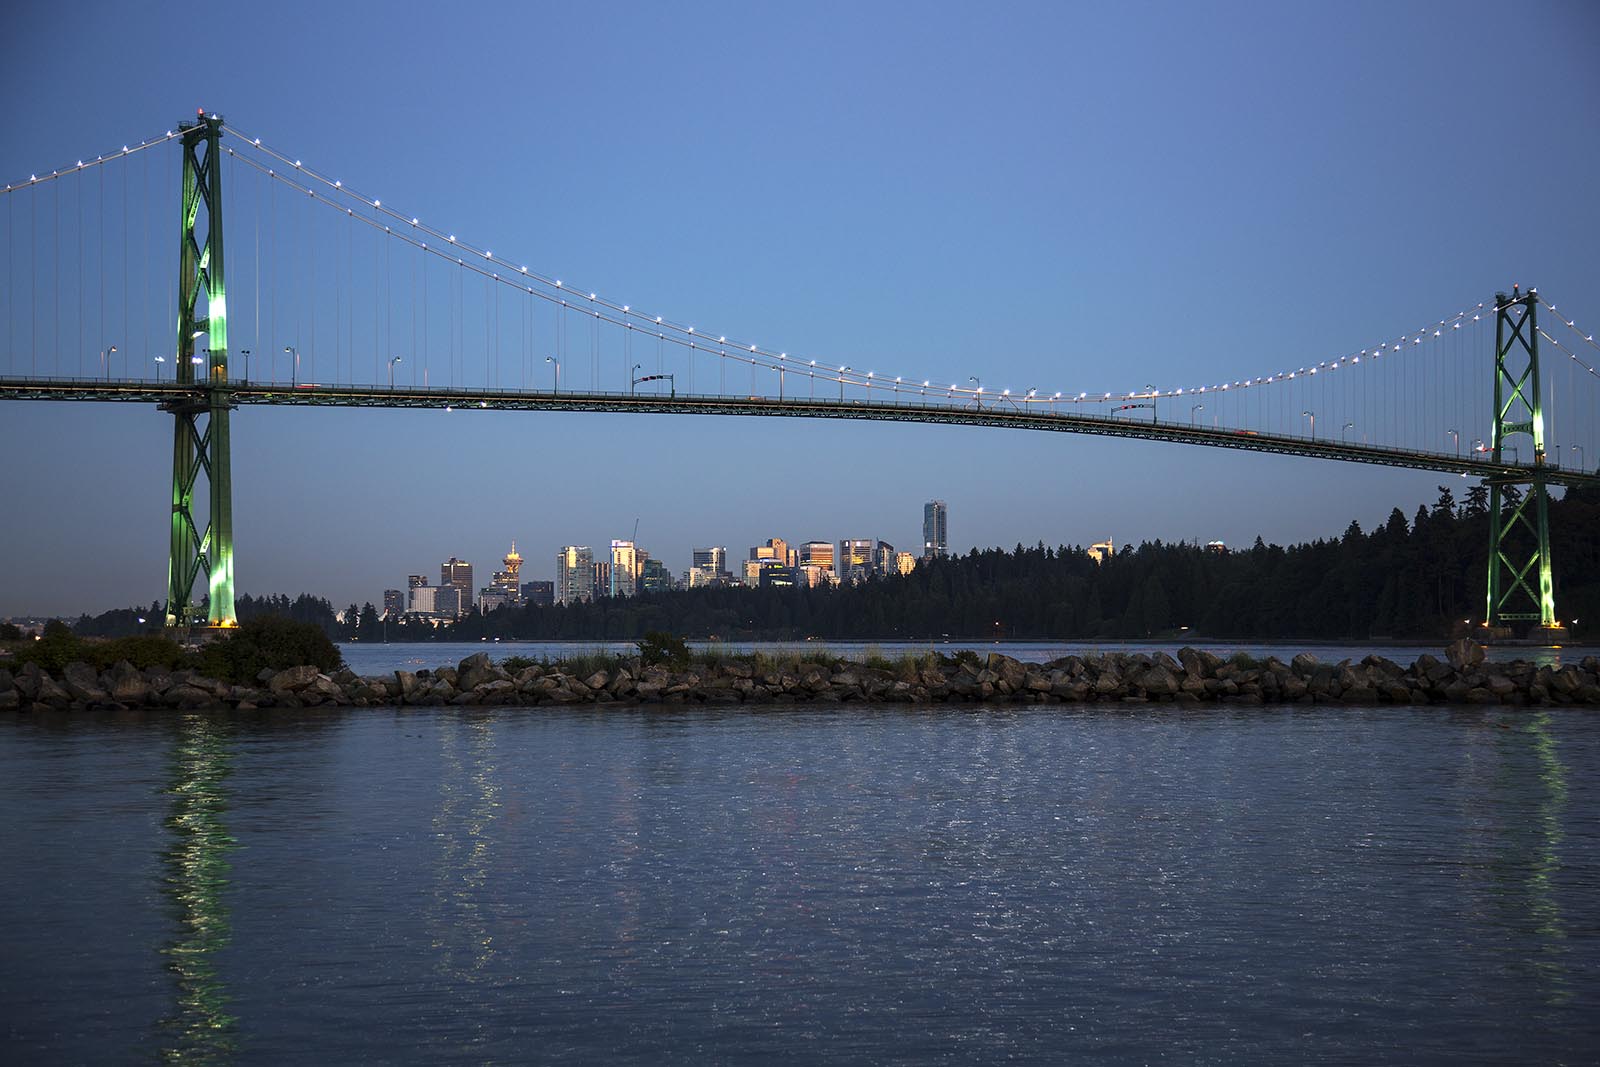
{"x": 348, "y": 301}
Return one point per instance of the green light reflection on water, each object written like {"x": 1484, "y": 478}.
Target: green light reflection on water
{"x": 195, "y": 879}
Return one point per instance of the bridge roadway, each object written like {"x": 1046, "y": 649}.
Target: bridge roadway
{"x": 910, "y": 407}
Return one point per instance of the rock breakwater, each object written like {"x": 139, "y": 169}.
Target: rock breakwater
{"x": 1193, "y": 677}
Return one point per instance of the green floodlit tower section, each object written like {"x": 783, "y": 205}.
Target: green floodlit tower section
{"x": 200, "y": 440}
{"x": 1519, "y": 538}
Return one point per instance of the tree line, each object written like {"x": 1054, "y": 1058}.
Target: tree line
{"x": 1418, "y": 578}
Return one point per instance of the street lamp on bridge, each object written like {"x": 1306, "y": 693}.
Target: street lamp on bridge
{"x": 1578, "y": 449}
{"x": 1345, "y": 429}
{"x": 159, "y": 360}
{"x": 842, "y": 371}
{"x": 392, "y": 362}
{"x": 105, "y": 362}
{"x": 1456, "y": 440}
{"x": 1195, "y": 410}
{"x": 557, "y": 362}
{"x": 294, "y": 368}
{"x": 977, "y": 395}
{"x": 633, "y": 380}
{"x": 1312, "y": 415}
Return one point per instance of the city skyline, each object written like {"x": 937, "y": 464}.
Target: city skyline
{"x": 1317, "y": 183}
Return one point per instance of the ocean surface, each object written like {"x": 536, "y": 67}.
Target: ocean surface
{"x": 370, "y": 658}
{"x": 796, "y": 885}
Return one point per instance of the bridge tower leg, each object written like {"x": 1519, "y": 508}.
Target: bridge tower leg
{"x": 200, "y": 442}
{"x": 1519, "y": 539}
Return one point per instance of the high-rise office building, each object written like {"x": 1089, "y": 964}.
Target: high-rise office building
{"x": 574, "y": 582}
{"x": 714, "y": 561}
{"x": 420, "y": 600}
{"x": 776, "y": 548}
{"x": 855, "y": 559}
{"x": 935, "y": 539}
{"x": 493, "y": 598}
{"x": 539, "y": 594}
{"x": 1100, "y": 550}
{"x": 883, "y": 558}
{"x": 449, "y": 601}
{"x": 416, "y": 581}
{"x": 457, "y": 573}
{"x": 653, "y": 576}
{"x": 624, "y": 568}
{"x": 394, "y": 603}
{"x": 817, "y": 554}
{"x": 905, "y": 562}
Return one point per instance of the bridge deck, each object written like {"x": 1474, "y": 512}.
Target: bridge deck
{"x": 1012, "y": 414}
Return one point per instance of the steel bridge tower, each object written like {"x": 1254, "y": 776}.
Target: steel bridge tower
{"x": 1519, "y": 540}
{"x": 200, "y": 440}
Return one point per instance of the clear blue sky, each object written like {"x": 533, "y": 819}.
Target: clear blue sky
{"x": 1045, "y": 195}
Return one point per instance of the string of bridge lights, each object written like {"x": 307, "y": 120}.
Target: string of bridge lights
{"x": 88, "y": 164}
{"x": 669, "y": 330}
{"x": 412, "y": 230}
{"x": 1588, "y": 338}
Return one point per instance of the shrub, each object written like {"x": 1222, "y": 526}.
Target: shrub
{"x": 145, "y": 650}
{"x": 268, "y": 642}
{"x": 659, "y": 648}
{"x": 56, "y": 648}
{"x": 513, "y": 664}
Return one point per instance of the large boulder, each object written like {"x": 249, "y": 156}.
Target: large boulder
{"x": 293, "y": 680}
{"x": 83, "y": 683}
{"x": 1303, "y": 664}
{"x": 1464, "y": 653}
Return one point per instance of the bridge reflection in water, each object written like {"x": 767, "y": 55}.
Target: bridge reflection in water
{"x": 194, "y": 884}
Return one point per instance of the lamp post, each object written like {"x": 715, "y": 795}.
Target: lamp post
{"x": 1579, "y": 450}
{"x": 977, "y": 394}
{"x": 159, "y": 360}
{"x": 1455, "y": 439}
{"x": 1151, "y": 389}
{"x": 245, "y": 352}
{"x": 392, "y": 362}
{"x": 1312, "y": 415}
{"x": 105, "y": 362}
{"x": 1193, "y": 411}
{"x": 633, "y": 378}
{"x": 294, "y": 368}
{"x": 842, "y": 371}
{"x": 1345, "y": 429}
{"x": 557, "y": 363}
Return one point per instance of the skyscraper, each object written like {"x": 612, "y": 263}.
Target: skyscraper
{"x": 883, "y": 558}
{"x": 574, "y": 575}
{"x": 935, "y": 540}
{"x": 394, "y": 603}
{"x": 817, "y": 554}
{"x": 714, "y": 561}
{"x": 457, "y": 573}
{"x": 855, "y": 559}
{"x": 624, "y": 568}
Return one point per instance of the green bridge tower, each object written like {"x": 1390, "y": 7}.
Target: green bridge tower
{"x": 1519, "y": 538}
{"x": 200, "y": 435}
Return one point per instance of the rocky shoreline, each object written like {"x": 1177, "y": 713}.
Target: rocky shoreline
{"x": 1193, "y": 677}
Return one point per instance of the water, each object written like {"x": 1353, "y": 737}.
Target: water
{"x": 1396, "y": 885}
{"x": 379, "y": 658}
